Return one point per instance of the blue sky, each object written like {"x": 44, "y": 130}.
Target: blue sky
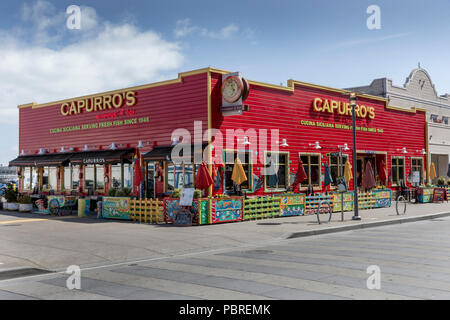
{"x": 125, "y": 43}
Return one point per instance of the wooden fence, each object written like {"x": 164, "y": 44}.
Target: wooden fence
{"x": 147, "y": 210}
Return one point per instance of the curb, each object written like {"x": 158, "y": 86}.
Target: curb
{"x": 308, "y": 233}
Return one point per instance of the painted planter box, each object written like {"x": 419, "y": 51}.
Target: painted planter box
{"x": 292, "y": 205}
{"x": 383, "y": 198}
{"x": 261, "y": 208}
{"x": 425, "y": 195}
{"x": 337, "y": 201}
{"x": 226, "y": 210}
{"x": 116, "y": 208}
{"x": 366, "y": 200}
{"x": 313, "y": 202}
{"x": 198, "y": 209}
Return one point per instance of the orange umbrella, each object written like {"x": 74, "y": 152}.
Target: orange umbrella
{"x": 238, "y": 175}
{"x": 433, "y": 171}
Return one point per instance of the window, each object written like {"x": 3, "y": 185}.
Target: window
{"x": 279, "y": 179}
{"x": 445, "y": 120}
{"x": 67, "y": 178}
{"x": 116, "y": 176}
{"x": 27, "y": 178}
{"x": 128, "y": 176}
{"x": 311, "y": 163}
{"x": 397, "y": 170}
{"x": 230, "y": 156}
{"x": 99, "y": 177}
{"x": 337, "y": 166}
{"x": 94, "y": 177}
{"x": 50, "y": 178}
{"x": 34, "y": 177}
{"x": 180, "y": 176}
{"x": 417, "y": 165}
{"x": 75, "y": 177}
{"x": 434, "y": 118}
{"x": 89, "y": 176}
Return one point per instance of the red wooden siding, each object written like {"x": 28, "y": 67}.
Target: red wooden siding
{"x": 168, "y": 106}
{"x": 271, "y": 108}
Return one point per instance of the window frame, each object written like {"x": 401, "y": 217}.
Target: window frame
{"x": 268, "y": 189}
{"x": 308, "y": 173}
{"x": 330, "y": 165}
{"x": 250, "y": 168}
{"x": 30, "y": 176}
{"x": 95, "y": 189}
{"x": 422, "y": 178}
{"x": 392, "y": 171}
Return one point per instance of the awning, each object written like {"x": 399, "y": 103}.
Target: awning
{"x": 57, "y": 159}
{"x": 165, "y": 153}
{"x": 62, "y": 159}
{"x": 100, "y": 157}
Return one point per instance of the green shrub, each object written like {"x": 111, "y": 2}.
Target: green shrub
{"x": 112, "y": 192}
{"x": 24, "y": 199}
{"x": 10, "y": 193}
{"x": 197, "y": 193}
{"x": 441, "y": 181}
{"x": 125, "y": 192}
{"x": 176, "y": 193}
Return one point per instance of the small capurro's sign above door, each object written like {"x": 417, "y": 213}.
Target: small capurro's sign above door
{"x": 94, "y": 160}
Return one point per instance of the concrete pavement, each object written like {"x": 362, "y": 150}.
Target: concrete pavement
{"x": 413, "y": 259}
{"x": 49, "y": 243}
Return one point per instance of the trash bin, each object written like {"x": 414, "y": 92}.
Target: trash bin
{"x": 84, "y": 207}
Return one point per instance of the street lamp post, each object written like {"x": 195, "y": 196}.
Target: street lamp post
{"x": 353, "y": 100}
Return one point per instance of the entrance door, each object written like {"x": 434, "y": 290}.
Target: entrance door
{"x": 361, "y": 161}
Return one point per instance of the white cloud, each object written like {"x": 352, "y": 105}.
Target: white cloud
{"x": 185, "y": 28}
{"x": 112, "y": 57}
{"x": 42, "y": 61}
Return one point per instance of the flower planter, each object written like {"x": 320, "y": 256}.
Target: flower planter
{"x": 25, "y": 207}
{"x": 13, "y": 206}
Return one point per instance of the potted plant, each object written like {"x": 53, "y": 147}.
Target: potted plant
{"x": 441, "y": 181}
{"x": 25, "y": 204}
{"x": 112, "y": 192}
{"x": 11, "y": 197}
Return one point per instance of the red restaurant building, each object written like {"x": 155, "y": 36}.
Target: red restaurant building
{"x": 86, "y": 145}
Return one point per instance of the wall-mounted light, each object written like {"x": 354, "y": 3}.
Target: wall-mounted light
{"x": 22, "y": 153}
{"x": 403, "y": 150}
{"x": 175, "y": 141}
{"x": 42, "y": 151}
{"x": 112, "y": 146}
{"x": 246, "y": 142}
{"x": 422, "y": 151}
{"x": 316, "y": 145}
{"x": 140, "y": 145}
{"x": 284, "y": 143}
{"x": 86, "y": 147}
{"x": 62, "y": 150}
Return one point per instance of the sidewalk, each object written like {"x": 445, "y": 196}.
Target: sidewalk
{"x": 54, "y": 243}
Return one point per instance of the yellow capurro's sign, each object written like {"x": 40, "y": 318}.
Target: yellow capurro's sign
{"x": 99, "y": 103}
{"x": 343, "y": 108}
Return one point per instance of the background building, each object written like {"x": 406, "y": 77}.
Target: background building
{"x": 419, "y": 91}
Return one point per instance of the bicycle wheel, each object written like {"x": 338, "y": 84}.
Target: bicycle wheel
{"x": 328, "y": 209}
{"x": 53, "y": 207}
{"x": 400, "y": 205}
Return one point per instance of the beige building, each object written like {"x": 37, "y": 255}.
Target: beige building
{"x": 419, "y": 91}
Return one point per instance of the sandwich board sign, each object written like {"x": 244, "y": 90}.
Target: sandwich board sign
{"x": 187, "y": 195}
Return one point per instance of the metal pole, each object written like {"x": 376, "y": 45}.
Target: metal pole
{"x": 355, "y": 169}
{"x": 340, "y": 175}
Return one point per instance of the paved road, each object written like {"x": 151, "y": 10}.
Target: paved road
{"x": 414, "y": 259}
